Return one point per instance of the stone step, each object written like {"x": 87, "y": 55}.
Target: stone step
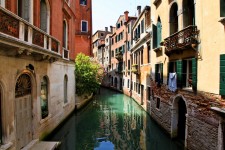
{"x": 41, "y": 145}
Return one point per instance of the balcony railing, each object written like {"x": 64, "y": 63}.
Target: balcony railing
{"x": 180, "y": 40}
{"x": 119, "y": 56}
{"x": 15, "y": 27}
{"x": 135, "y": 69}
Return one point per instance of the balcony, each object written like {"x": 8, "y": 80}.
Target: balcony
{"x": 135, "y": 69}
{"x": 119, "y": 56}
{"x": 23, "y": 38}
{"x": 184, "y": 39}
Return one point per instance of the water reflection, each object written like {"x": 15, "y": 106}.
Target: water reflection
{"x": 113, "y": 121}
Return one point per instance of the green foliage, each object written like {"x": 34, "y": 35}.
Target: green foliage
{"x": 88, "y": 74}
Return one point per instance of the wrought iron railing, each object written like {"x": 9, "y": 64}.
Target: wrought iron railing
{"x": 181, "y": 39}
{"x": 14, "y": 26}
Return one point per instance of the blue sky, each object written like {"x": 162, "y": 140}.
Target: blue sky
{"x": 106, "y": 12}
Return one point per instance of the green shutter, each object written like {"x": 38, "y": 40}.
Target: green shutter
{"x": 222, "y": 74}
{"x": 179, "y": 73}
{"x": 159, "y": 33}
{"x": 194, "y": 74}
{"x": 154, "y": 36}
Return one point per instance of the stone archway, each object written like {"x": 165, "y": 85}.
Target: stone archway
{"x": 178, "y": 118}
{"x": 23, "y": 110}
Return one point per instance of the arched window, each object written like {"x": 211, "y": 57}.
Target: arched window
{"x": 188, "y": 13}
{"x": 65, "y": 89}
{"x": 45, "y": 15}
{"x": 24, "y": 9}
{"x": 173, "y": 19}
{"x": 44, "y": 97}
{"x": 65, "y": 34}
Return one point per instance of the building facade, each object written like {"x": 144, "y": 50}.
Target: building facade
{"x": 37, "y": 81}
{"x": 141, "y": 53}
{"x": 83, "y": 27}
{"x": 187, "y": 95}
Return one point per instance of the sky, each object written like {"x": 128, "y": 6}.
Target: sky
{"x": 106, "y": 12}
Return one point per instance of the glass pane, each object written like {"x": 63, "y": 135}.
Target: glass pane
{"x": 44, "y": 98}
{"x": 84, "y": 26}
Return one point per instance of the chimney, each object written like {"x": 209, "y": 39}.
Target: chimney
{"x": 126, "y": 15}
{"x": 111, "y": 29}
{"x": 106, "y": 29}
{"x": 139, "y": 10}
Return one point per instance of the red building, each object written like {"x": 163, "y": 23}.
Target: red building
{"x": 83, "y": 27}
{"x": 37, "y": 80}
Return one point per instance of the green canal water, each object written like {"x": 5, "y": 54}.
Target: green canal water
{"x": 112, "y": 121}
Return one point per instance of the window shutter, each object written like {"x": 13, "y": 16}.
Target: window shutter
{"x": 159, "y": 33}
{"x": 154, "y": 36}
{"x": 222, "y": 74}
{"x": 179, "y": 73}
{"x": 194, "y": 74}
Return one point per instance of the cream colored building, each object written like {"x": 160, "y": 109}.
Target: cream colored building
{"x": 188, "y": 45}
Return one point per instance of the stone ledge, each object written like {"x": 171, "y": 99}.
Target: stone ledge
{"x": 6, "y": 146}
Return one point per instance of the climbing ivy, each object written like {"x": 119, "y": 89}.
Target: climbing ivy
{"x": 88, "y": 74}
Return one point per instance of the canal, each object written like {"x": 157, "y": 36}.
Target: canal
{"x": 112, "y": 121}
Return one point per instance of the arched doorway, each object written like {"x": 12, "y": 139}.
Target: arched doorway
{"x": 23, "y": 110}
{"x": 178, "y": 121}
{"x": 173, "y": 19}
{"x": 188, "y": 13}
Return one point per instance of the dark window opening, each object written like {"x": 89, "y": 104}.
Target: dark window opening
{"x": 158, "y": 103}
{"x": 83, "y": 2}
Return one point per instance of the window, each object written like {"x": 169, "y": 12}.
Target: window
{"x": 188, "y": 13}
{"x": 222, "y": 75}
{"x": 25, "y": 9}
{"x": 186, "y": 72}
{"x": 158, "y": 103}
{"x": 149, "y": 53}
{"x": 65, "y": 89}
{"x": 44, "y": 97}
{"x": 2, "y": 3}
{"x": 142, "y": 58}
{"x": 84, "y": 26}
{"x": 1, "y": 115}
{"x": 149, "y": 94}
{"x": 142, "y": 26}
{"x": 113, "y": 53}
{"x": 222, "y": 8}
{"x": 157, "y": 34}
{"x": 44, "y": 14}
{"x": 173, "y": 19}
{"x": 159, "y": 73}
{"x": 128, "y": 83}
{"x": 128, "y": 28}
{"x": 65, "y": 29}
{"x": 83, "y": 2}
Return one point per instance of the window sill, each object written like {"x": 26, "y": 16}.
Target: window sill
{"x": 45, "y": 119}
{"x": 6, "y": 146}
{"x": 188, "y": 89}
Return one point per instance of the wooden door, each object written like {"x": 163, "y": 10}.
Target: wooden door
{"x": 23, "y": 120}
